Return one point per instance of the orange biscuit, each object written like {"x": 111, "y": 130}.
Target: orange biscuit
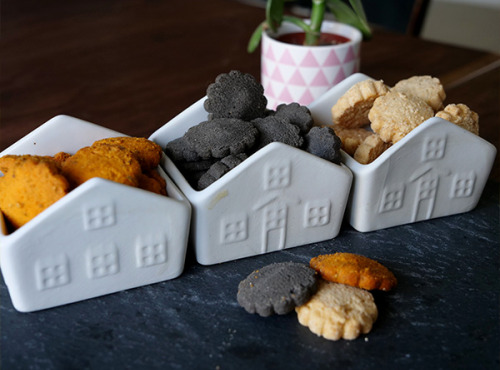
{"x": 152, "y": 181}
{"x": 351, "y": 138}
{"x": 370, "y": 149}
{"x": 29, "y": 186}
{"x": 111, "y": 162}
{"x": 355, "y": 270}
{"x": 148, "y": 153}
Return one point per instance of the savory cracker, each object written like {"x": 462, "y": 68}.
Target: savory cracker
{"x": 354, "y": 270}
{"x": 351, "y": 110}
{"x": 395, "y": 114}
{"x": 338, "y": 311}
{"x": 461, "y": 115}
{"x": 370, "y": 149}
{"x": 29, "y": 186}
{"x": 427, "y": 88}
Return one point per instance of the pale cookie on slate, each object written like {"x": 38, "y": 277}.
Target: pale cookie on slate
{"x": 427, "y": 88}
{"x": 370, "y": 149}
{"x": 461, "y": 115}
{"x": 351, "y": 138}
{"x": 395, "y": 114}
{"x": 351, "y": 110}
{"x": 338, "y": 311}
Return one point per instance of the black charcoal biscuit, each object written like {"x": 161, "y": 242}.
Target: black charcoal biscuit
{"x": 179, "y": 150}
{"x": 219, "y": 169}
{"x": 277, "y": 288}
{"x": 235, "y": 95}
{"x": 322, "y": 142}
{"x": 296, "y": 114}
{"x": 272, "y": 128}
{"x": 220, "y": 137}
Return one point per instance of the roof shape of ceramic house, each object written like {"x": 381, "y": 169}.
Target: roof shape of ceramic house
{"x": 438, "y": 169}
{"x": 280, "y": 197}
{"x": 101, "y": 238}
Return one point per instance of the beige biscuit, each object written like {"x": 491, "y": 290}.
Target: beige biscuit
{"x": 351, "y": 138}
{"x": 338, "y": 311}
{"x": 351, "y": 110}
{"x": 461, "y": 115}
{"x": 427, "y": 88}
{"x": 395, "y": 114}
{"x": 370, "y": 149}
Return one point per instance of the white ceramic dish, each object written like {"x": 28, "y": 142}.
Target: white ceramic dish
{"x": 101, "y": 238}
{"x": 439, "y": 169}
{"x": 280, "y": 197}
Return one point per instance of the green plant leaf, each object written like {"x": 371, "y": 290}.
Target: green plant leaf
{"x": 345, "y": 14}
{"x": 254, "y": 41}
{"x": 274, "y": 13}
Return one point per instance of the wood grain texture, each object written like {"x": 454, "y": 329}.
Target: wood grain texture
{"x": 132, "y": 65}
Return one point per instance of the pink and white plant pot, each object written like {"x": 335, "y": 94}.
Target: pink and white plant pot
{"x": 297, "y": 73}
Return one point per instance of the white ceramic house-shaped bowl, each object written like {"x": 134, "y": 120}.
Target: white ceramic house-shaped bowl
{"x": 438, "y": 169}
{"x": 280, "y": 197}
{"x": 101, "y": 238}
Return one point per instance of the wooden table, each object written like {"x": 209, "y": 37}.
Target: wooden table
{"x": 132, "y": 65}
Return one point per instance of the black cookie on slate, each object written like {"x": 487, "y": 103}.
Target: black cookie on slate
{"x": 235, "y": 95}
{"x": 220, "y": 137}
{"x": 272, "y": 128}
{"x": 277, "y": 288}
{"x": 296, "y": 114}
{"x": 322, "y": 142}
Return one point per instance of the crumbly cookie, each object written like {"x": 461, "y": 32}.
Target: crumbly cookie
{"x": 111, "y": 162}
{"x": 351, "y": 110}
{"x": 220, "y": 137}
{"x": 395, "y": 114}
{"x": 461, "y": 115}
{"x": 338, "y": 311}
{"x": 147, "y": 152}
{"x": 275, "y": 129}
{"x": 152, "y": 181}
{"x": 277, "y": 288}
{"x": 29, "y": 186}
{"x": 296, "y": 114}
{"x": 219, "y": 169}
{"x": 370, "y": 149}
{"x": 427, "y": 88}
{"x": 354, "y": 270}
{"x": 323, "y": 143}
{"x": 351, "y": 138}
{"x": 235, "y": 95}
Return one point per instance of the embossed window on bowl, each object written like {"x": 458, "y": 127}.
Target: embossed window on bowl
{"x": 463, "y": 185}
{"x": 392, "y": 198}
{"x": 433, "y": 149}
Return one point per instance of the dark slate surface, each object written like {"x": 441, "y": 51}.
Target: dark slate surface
{"x": 444, "y": 313}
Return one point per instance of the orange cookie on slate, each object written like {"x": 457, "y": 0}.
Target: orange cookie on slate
{"x": 355, "y": 270}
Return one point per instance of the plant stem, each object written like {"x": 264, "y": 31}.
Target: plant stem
{"x": 317, "y": 15}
